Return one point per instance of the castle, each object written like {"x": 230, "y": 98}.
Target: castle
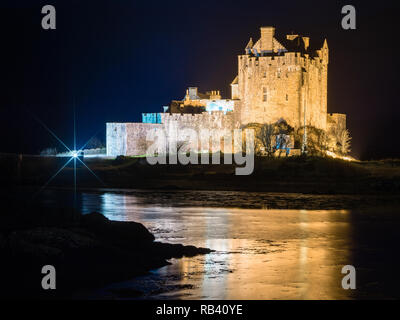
{"x": 279, "y": 78}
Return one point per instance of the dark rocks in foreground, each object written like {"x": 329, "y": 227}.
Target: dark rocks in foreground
{"x": 86, "y": 250}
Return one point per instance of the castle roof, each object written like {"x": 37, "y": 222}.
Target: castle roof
{"x": 236, "y": 80}
{"x": 298, "y": 44}
{"x": 202, "y": 95}
{"x": 291, "y": 43}
{"x": 250, "y": 44}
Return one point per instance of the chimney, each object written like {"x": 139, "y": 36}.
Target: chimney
{"x": 193, "y": 93}
{"x": 306, "y": 41}
{"x": 267, "y": 36}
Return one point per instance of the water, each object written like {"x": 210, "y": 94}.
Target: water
{"x": 259, "y": 253}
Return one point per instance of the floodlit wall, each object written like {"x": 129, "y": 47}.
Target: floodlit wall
{"x": 116, "y": 139}
{"x": 129, "y": 139}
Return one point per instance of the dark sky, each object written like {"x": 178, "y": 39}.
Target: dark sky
{"x": 118, "y": 58}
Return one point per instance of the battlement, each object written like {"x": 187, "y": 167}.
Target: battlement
{"x": 282, "y": 58}
{"x": 210, "y": 120}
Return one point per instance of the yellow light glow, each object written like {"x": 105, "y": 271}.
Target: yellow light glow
{"x": 336, "y": 156}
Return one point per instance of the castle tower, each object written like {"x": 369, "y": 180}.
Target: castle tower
{"x": 282, "y": 78}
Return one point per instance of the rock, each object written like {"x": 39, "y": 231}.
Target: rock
{"x": 190, "y": 251}
{"x": 60, "y": 238}
{"x": 116, "y": 231}
{"x": 91, "y": 252}
{"x": 178, "y": 250}
{"x": 49, "y": 244}
{"x": 131, "y": 231}
{"x": 93, "y": 219}
{"x": 23, "y": 250}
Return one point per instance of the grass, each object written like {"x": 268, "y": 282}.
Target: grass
{"x": 292, "y": 174}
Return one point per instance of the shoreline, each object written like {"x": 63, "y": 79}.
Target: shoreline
{"x": 280, "y": 175}
{"x": 235, "y": 199}
{"x": 88, "y": 251}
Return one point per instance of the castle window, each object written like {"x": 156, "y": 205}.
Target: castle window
{"x": 264, "y": 94}
{"x": 287, "y": 97}
{"x": 278, "y": 74}
{"x": 264, "y": 74}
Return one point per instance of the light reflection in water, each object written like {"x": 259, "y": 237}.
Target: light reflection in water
{"x": 259, "y": 254}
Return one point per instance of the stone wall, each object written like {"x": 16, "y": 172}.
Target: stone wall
{"x": 136, "y": 137}
{"x": 116, "y": 139}
{"x": 205, "y": 120}
{"x": 129, "y": 139}
{"x": 282, "y": 85}
{"x": 277, "y": 87}
{"x": 217, "y": 122}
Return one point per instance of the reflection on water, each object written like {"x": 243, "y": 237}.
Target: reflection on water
{"x": 259, "y": 253}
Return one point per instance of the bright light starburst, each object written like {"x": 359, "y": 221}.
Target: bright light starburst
{"x": 75, "y": 153}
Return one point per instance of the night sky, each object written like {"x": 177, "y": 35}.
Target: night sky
{"x": 117, "y": 59}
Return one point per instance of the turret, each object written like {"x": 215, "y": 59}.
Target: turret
{"x": 249, "y": 46}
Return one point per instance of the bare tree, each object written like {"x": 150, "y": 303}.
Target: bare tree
{"x": 266, "y": 136}
{"x": 343, "y": 142}
{"x": 317, "y": 140}
{"x": 340, "y": 139}
{"x": 271, "y": 136}
{"x": 322, "y": 141}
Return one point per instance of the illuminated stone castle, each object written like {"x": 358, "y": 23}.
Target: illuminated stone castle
{"x": 278, "y": 78}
